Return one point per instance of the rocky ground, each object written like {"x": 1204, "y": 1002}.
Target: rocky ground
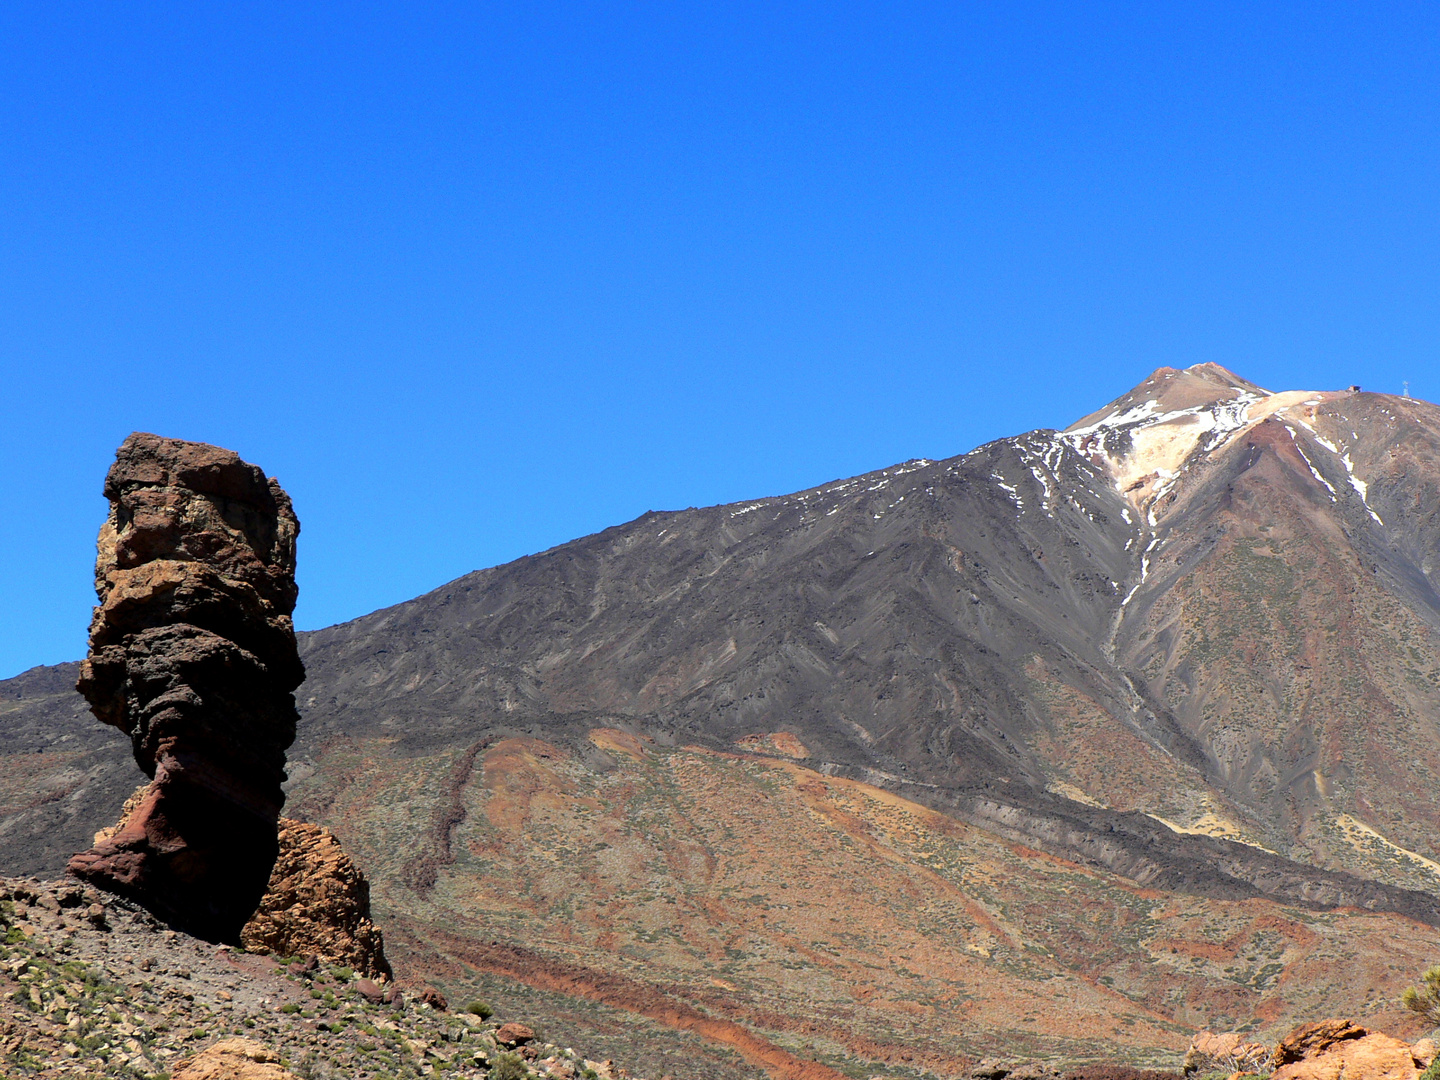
{"x": 91, "y": 985}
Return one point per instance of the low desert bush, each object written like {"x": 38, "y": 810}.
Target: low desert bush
{"x": 508, "y": 1067}
{"x": 1425, "y": 999}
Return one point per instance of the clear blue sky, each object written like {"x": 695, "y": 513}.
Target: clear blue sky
{"x": 476, "y": 279}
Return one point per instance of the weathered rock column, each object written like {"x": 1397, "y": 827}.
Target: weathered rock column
{"x": 192, "y": 654}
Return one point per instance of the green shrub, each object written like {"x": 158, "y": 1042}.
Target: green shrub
{"x": 508, "y": 1067}
{"x": 480, "y": 1009}
{"x": 1426, "y": 999}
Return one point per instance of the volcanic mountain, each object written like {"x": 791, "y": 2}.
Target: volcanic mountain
{"x": 1064, "y": 746}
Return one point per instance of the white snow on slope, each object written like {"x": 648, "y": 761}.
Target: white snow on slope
{"x": 1360, "y": 486}
{"x": 1314, "y": 471}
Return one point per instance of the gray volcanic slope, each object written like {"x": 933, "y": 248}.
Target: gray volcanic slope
{"x": 1204, "y": 614}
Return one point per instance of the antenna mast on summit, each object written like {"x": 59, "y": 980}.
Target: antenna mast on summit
{"x": 1406, "y": 384}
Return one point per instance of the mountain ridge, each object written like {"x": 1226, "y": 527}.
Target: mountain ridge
{"x": 1167, "y": 399}
{"x": 1192, "y": 640}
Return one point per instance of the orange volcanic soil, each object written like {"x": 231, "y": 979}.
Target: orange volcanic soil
{"x": 799, "y": 918}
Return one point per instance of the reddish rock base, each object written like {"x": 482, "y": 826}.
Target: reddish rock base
{"x": 187, "y": 856}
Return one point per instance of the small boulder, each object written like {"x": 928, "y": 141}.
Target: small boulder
{"x": 514, "y": 1034}
{"x": 432, "y": 997}
{"x": 1033, "y": 1070}
{"x": 371, "y": 992}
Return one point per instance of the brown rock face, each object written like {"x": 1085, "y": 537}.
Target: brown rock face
{"x": 318, "y": 904}
{"x": 1312, "y": 1040}
{"x": 192, "y": 654}
{"x": 1336, "y": 1049}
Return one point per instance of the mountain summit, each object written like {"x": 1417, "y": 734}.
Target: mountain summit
{"x": 1146, "y": 437}
{"x": 1139, "y": 719}
{"x": 1170, "y": 390}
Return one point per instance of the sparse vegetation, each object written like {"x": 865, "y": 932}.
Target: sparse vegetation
{"x": 480, "y": 1009}
{"x": 508, "y": 1066}
{"x": 1425, "y": 999}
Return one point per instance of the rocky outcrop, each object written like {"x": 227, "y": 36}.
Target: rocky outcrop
{"x": 1343, "y": 1050}
{"x": 1333, "y": 1049}
{"x": 317, "y": 905}
{"x": 1313, "y": 1040}
{"x": 234, "y": 1059}
{"x": 192, "y": 654}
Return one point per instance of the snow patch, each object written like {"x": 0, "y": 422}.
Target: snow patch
{"x": 1359, "y": 485}
{"x": 1316, "y": 472}
{"x": 1132, "y": 415}
{"x": 1160, "y": 444}
{"x": 1042, "y": 481}
{"x": 1010, "y": 490}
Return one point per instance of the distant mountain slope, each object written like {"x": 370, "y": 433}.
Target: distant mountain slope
{"x": 1190, "y": 604}
{"x": 63, "y": 775}
{"x": 1191, "y": 640}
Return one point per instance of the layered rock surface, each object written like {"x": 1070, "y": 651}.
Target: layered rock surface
{"x": 317, "y": 905}
{"x": 192, "y": 655}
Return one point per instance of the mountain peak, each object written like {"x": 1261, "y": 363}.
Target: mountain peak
{"x": 1168, "y": 390}
{"x": 1146, "y": 438}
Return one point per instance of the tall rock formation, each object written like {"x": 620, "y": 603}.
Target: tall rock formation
{"x": 192, "y": 654}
